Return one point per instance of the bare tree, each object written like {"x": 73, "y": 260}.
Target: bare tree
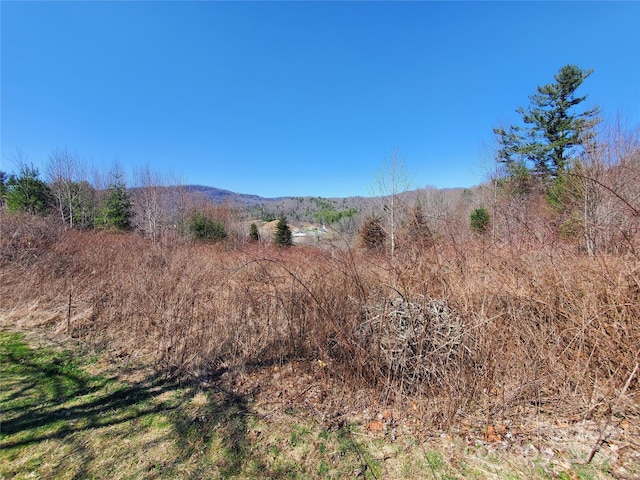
{"x": 178, "y": 202}
{"x": 391, "y": 183}
{"x": 64, "y": 174}
{"x": 605, "y": 188}
{"x": 434, "y": 205}
{"x": 149, "y": 212}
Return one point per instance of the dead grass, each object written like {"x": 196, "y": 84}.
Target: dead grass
{"x": 548, "y": 333}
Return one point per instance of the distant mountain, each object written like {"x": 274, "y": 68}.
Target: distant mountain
{"x": 294, "y": 208}
{"x": 219, "y": 195}
{"x": 320, "y": 210}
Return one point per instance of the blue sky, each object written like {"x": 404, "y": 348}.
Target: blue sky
{"x": 297, "y": 98}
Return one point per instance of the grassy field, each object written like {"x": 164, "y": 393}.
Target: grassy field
{"x": 68, "y": 413}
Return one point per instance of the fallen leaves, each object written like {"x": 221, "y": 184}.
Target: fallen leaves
{"x": 494, "y": 433}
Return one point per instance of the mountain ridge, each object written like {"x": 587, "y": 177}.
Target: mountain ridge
{"x": 221, "y": 195}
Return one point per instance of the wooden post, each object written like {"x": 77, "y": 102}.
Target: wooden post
{"x": 69, "y": 314}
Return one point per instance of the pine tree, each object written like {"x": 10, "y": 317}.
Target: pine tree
{"x": 479, "y": 220}
{"x": 203, "y": 228}
{"x": 27, "y": 193}
{"x": 116, "y": 211}
{"x": 283, "y": 233}
{"x": 552, "y": 134}
{"x": 254, "y": 235}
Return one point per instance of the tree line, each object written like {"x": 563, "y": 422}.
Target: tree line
{"x": 557, "y": 170}
{"x": 73, "y": 199}
{"x": 560, "y": 172}
{"x": 154, "y": 207}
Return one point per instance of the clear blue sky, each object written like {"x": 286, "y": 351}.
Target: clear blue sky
{"x": 297, "y": 98}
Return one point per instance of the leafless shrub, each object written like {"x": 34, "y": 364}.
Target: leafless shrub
{"x": 23, "y": 237}
{"x": 606, "y": 193}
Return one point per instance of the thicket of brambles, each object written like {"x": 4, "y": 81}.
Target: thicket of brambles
{"x": 519, "y": 296}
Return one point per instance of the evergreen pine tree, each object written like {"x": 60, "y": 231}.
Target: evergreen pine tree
{"x": 552, "y": 134}
{"x": 283, "y": 233}
{"x": 479, "y": 220}
{"x": 203, "y": 228}
{"x": 27, "y": 193}
{"x": 116, "y": 212}
{"x": 254, "y": 235}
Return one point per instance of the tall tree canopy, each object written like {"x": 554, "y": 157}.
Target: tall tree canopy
{"x": 553, "y": 133}
{"x": 26, "y": 192}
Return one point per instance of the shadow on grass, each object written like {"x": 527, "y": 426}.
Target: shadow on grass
{"x": 44, "y": 396}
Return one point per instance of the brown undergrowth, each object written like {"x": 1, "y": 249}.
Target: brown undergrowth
{"x": 537, "y": 330}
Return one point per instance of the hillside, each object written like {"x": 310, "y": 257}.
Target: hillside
{"x": 219, "y": 195}
{"x": 319, "y": 209}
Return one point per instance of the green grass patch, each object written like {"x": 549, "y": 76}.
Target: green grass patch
{"x": 59, "y": 422}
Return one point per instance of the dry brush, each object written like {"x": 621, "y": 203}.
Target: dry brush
{"x": 461, "y": 328}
